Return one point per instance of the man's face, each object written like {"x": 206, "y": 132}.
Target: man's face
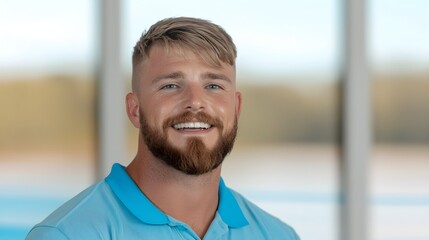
{"x": 188, "y": 110}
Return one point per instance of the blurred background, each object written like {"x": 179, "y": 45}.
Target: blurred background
{"x": 287, "y": 155}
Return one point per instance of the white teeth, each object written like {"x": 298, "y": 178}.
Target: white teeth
{"x": 190, "y": 125}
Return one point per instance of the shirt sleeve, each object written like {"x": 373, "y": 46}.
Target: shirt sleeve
{"x": 46, "y": 233}
{"x": 296, "y": 237}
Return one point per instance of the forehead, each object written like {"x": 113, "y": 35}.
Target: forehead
{"x": 161, "y": 61}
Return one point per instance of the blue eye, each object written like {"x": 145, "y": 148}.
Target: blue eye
{"x": 213, "y": 86}
{"x": 169, "y": 86}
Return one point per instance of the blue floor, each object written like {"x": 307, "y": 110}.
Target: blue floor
{"x": 12, "y": 233}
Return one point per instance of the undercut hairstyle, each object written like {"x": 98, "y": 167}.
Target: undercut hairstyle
{"x": 204, "y": 38}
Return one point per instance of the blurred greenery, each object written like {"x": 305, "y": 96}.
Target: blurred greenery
{"x": 289, "y": 113}
{"x": 58, "y": 111}
{"x": 47, "y": 112}
{"x": 401, "y": 107}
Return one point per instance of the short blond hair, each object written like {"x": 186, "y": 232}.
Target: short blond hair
{"x": 204, "y": 38}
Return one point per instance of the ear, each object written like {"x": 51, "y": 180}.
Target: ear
{"x": 133, "y": 109}
{"x": 238, "y": 104}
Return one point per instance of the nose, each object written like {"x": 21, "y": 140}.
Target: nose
{"x": 194, "y": 99}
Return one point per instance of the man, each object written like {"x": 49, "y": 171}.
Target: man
{"x": 185, "y": 103}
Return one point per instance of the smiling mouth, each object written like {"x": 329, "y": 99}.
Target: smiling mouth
{"x": 192, "y": 126}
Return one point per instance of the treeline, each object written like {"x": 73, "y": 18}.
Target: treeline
{"x": 313, "y": 112}
{"x": 60, "y": 111}
{"x": 47, "y": 112}
{"x": 288, "y": 113}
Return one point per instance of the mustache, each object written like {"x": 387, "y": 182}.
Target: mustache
{"x": 190, "y": 116}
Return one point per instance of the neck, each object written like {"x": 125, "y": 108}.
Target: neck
{"x": 190, "y": 199}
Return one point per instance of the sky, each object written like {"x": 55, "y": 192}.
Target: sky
{"x": 46, "y": 34}
{"x": 273, "y": 37}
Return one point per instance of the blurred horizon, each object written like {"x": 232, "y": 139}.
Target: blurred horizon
{"x": 308, "y": 111}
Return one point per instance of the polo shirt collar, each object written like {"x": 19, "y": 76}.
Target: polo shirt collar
{"x": 135, "y": 200}
{"x": 228, "y": 208}
{"x": 131, "y": 196}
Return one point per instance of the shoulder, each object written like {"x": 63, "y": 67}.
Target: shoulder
{"x": 46, "y": 232}
{"x": 78, "y": 215}
{"x": 263, "y": 222}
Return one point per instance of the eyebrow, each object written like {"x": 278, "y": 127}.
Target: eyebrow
{"x": 181, "y": 75}
{"x": 173, "y": 75}
{"x": 210, "y": 75}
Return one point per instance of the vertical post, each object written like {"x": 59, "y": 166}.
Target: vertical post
{"x": 357, "y": 127}
{"x": 111, "y": 139}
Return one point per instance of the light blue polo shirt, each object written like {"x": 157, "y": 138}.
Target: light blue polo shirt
{"x": 116, "y": 209}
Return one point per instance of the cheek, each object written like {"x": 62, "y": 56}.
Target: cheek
{"x": 160, "y": 112}
{"x": 226, "y": 109}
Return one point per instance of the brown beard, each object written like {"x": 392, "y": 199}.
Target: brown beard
{"x": 196, "y": 159}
